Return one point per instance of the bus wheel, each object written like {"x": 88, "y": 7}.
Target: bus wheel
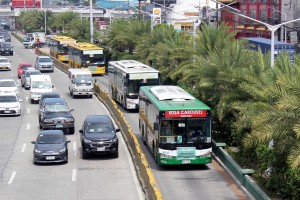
{"x": 154, "y": 152}
{"x": 143, "y": 135}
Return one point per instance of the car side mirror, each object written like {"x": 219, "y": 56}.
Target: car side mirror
{"x": 118, "y": 130}
{"x": 73, "y": 81}
{"x": 71, "y": 110}
{"x": 52, "y": 86}
{"x": 68, "y": 141}
{"x": 20, "y": 100}
{"x": 80, "y": 131}
{"x": 95, "y": 81}
{"x": 32, "y": 142}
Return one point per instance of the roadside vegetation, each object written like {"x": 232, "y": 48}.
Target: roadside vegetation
{"x": 256, "y": 108}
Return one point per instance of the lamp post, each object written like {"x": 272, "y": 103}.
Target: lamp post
{"x": 91, "y": 23}
{"x": 283, "y": 33}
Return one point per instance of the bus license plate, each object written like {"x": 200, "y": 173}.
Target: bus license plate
{"x": 101, "y": 149}
{"x": 186, "y": 161}
{"x": 50, "y": 158}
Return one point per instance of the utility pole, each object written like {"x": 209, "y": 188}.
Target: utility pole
{"x": 91, "y": 23}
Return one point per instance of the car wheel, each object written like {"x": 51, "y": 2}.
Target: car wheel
{"x": 91, "y": 96}
{"x": 32, "y": 101}
{"x": 40, "y": 125}
{"x": 71, "y": 130}
{"x": 84, "y": 155}
{"x": 116, "y": 155}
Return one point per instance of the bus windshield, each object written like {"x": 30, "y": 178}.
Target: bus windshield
{"x": 184, "y": 130}
{"x": 63, "y": 49}
{"x": 93, "y": 58}
{"x": 133, "y": 86}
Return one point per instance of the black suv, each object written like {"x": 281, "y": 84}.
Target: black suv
{"x": 98, "y": 136}
{"x": 6, "y": 49}
{"x": 55, "y": 114}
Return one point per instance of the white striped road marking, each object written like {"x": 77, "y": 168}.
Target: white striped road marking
{"x": 12, "y": 177}
{"x": 75, "y": 148}
{"x": 26, "y": 98}
{"x": 23, "y": 147}
{"x": 28, "y": 126}
{"x": 11, "y": 74}
{"x": 28, "y": 110}
{"x": 74, "y": 175}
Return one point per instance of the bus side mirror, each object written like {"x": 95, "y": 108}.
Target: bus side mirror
{"x": 155, "y": 124}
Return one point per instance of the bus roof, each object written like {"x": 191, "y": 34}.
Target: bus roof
{"x": 132, "y": 66}
{"x": 61, "y": 38}
{"x": 166, "y": 97}
{"x": 84, "y": 46}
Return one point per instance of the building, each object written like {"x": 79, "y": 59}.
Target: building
{"x": 269, "y": 11}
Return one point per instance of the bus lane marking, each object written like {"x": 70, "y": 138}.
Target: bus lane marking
{"x": 12, "y": 177}
{"x": 23, "y": 147}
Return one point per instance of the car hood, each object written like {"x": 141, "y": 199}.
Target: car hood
{"x": 100, "y": 136}
{"x": 8, "y": 89}
{"x": 9, "y": 104}
{"x": 50, "y": 147}
{"x": 57, "y": 114}
{"x": 5, "y": 64}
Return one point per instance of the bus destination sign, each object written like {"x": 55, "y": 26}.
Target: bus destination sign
{"x": 185, "y": 113}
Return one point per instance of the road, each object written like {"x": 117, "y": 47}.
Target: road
{"x": 100, "y": 177}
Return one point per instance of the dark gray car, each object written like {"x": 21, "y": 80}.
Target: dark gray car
{"x": 6, "y": 49}
{"x": 50, "y": 146}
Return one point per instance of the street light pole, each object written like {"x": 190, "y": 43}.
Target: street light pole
{"x": 91, "y": 23}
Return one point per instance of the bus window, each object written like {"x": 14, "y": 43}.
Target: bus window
{"x": 172, "y": 131}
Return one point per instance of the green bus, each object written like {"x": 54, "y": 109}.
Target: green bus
{"x": 175, "y": 125}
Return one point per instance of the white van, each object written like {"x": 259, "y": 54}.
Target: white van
{"x": 39, "y": 84}
{"x": 80, "y": 82}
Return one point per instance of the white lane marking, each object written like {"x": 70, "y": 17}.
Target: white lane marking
{"x": 28, "y": 126}
{"x": 11, "y": 74}
{"x": 26, "y": 98}
{"x": 12, "y": 177}
{"x": 28, "y": 110}
{"x": 129, "y": 158}
{"x": 75, "y": 148}
{"x": 23, "y": 147}
{"x": 74, "y": 175}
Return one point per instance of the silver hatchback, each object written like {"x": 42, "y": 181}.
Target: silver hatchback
{"x": 25, "y": 77}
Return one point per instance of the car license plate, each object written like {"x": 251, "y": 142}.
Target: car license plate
{"x": 7, "y": 111}
{"x": 101, "y": 149}
{"x": 186, "y": 161}
{"x": 50, "y": 157}
{"x": 59, "y": 126}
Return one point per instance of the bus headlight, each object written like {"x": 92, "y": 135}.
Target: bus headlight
{"x": 162, "y": 155}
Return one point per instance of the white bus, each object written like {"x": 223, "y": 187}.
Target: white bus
{"x": 125, "y": 79}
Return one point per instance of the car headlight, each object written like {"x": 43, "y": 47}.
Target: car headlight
{"x": 48, "y": 120}
{"x": 37, "y": 151}
{"x": 114, "y": 140}
{"x": 162, "y": 155}
{"x": 16, "y": 107}
{"x": 91, "y": 90}
{"x": 62, "y": 150}
{"x": 75, "y": 90}
{"x": 86, "y": 140}
{"x": 68, "y": 120}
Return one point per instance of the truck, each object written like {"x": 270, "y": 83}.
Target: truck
{"x": 36, "y": 39}
{"x": 39, "y": 84}
{"x": 264, "y": 45}
{"x": 80, "y": 82}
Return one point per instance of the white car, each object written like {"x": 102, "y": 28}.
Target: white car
{"x": 10, "y": 104}
{"x": 2, "y": 39}
{"x": 5, "y": 64}
{"x": 8, "y": 86}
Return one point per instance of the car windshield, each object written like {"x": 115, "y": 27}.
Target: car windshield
{"x": 7, "y": 84}
{"x": 45, "y": 96}
{"x": 4, "y": 61}
{"x": 44, "y": 60}
{"x": 99, "y": 128}
{"x": 25, "y": 66}
{"x": 56, "y": 108}
{"x": 6, "y": 46}
{"x": 83, "y": 80}
{"x": 32, "y": 73}
{"x": 26, "y": 39}
{"x": 8, "y": 99}
{"x": 50, "y": 139}
{"x": 41, "y": 84}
